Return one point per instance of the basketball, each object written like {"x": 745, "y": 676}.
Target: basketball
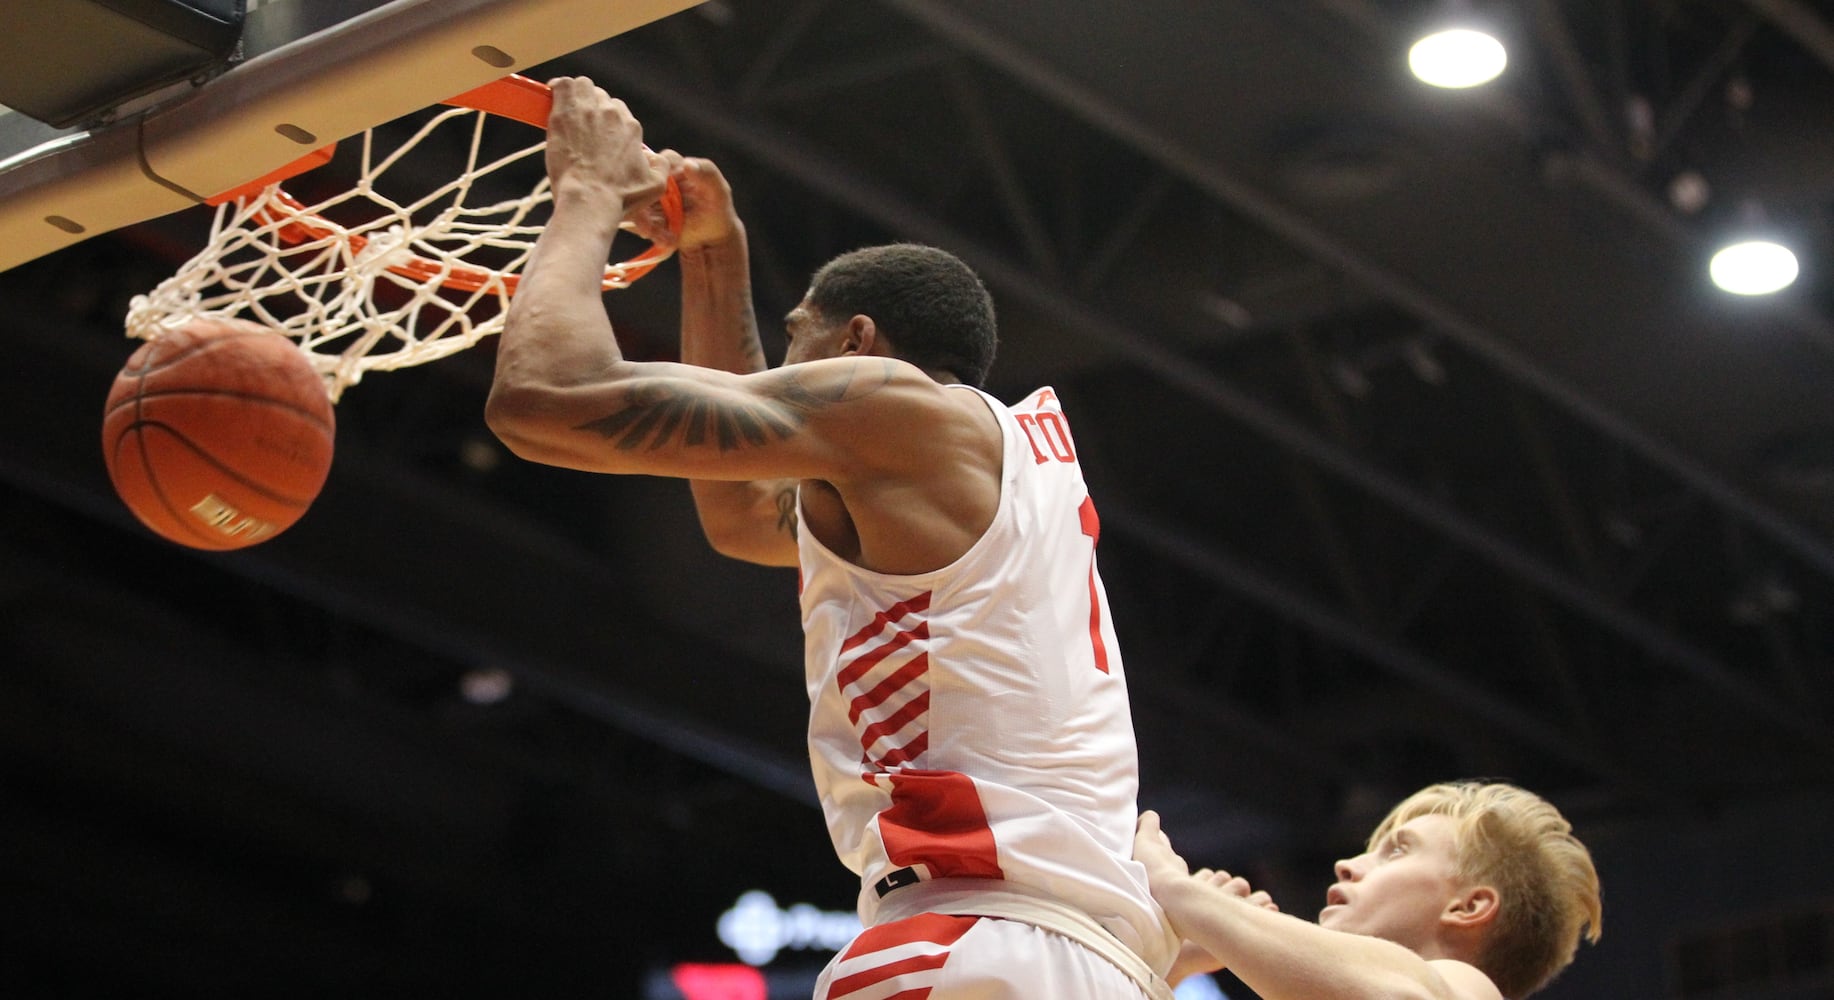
{"x": 218, "y": 434}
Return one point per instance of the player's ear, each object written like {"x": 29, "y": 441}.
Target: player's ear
{"x": 1472, "y": 908}
{"x": 861, "y": 337}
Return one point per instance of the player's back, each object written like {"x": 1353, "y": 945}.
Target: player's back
{"x": 972, "y": 722}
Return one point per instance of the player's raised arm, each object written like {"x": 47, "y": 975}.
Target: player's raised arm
{"x": 563, "y": 394}
{"x": 557, "y": 332}
{"x": 822, "y": 420}
{"x": 752, "y": 520}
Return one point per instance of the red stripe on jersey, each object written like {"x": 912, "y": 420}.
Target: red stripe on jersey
{"x": 918, "y": 666}
{"x": 908, "y": 752}
{"x": 895, "y": 721}
{"x": 897, "y": 611}
{"x": 873, "y": 657}
{"x": 936, "y": 820}
{"x": 1092, "y": 526}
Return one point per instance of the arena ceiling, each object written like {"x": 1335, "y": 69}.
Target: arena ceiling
{"x": 1422, "y": 447}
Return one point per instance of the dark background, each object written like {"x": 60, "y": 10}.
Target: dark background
{"x": 1423, "y": 450}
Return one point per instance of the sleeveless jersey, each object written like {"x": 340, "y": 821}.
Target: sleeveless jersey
{"x": 973, "y": 722}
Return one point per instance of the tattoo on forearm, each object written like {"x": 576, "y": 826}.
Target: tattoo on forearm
{"x": 656, "y": 416}
{"x": 751, "y": 347}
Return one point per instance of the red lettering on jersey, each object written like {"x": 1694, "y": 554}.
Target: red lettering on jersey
{"x": 1028, "y": 422}
{"x": 1050, "y": 427}
{"x": 1057, "y": 435}
{"x": 1043, "y": 396}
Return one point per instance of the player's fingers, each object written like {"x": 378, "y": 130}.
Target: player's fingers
{"x": 1260, "y": 898}
{"x": 707, "y": 170}
{"x": 560, "y": 90}
{"x": 571, "y": 89}
{"x": 651, "y": 223}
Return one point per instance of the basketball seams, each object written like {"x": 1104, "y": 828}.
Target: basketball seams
{"x": 309, "y": 415}
{"x": 174, "y": 516}
{"x": 184, "y": 353}
{"x": 188, "y": 525}
{"x": 267, "y": 492}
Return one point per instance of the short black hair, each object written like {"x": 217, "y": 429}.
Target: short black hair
{"x": 932, "y": 306}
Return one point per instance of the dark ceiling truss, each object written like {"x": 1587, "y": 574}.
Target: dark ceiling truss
{"x": 1586, "y": 579}
{"x": 1800, "y": 21}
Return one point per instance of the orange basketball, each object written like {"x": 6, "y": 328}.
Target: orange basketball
{"x": 218, "y": 434}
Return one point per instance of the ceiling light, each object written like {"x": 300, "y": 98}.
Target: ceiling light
{"x": 1754, "y": 267}
{"x": 1456, "y": 58}
{"x": 486, "y": 685}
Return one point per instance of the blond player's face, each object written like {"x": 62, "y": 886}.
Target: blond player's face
{"x": 1398, "y": 889}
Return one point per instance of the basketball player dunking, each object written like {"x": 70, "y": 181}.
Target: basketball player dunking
{"x": 970, "y": 730}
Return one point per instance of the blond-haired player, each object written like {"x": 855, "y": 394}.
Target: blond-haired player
{"x": 1467, "y": 890}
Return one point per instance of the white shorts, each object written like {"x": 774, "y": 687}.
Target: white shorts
{"x": 936, "y": 957}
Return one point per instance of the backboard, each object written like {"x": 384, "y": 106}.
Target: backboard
{"x": 311, "y": 72}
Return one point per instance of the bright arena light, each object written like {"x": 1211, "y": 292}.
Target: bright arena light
{"x": 1460, "y": 57}
{"x": 1754, "y": 267}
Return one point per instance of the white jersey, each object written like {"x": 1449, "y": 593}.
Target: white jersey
{"x": 972, "y": 722}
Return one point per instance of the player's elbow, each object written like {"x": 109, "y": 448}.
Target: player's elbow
{"x": 521, "y": 417}
{"x": 728, "y": 537}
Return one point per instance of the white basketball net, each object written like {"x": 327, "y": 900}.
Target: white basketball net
{"x": 361, "y": 280}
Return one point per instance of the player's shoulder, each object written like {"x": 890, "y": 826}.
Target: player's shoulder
{"x": 1465, "y": 981}
{"x": 815, "y": 385}
{"x": 1042, "y": 398}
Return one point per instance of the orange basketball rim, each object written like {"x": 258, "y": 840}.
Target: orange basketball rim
{"x": 514, "y": 97}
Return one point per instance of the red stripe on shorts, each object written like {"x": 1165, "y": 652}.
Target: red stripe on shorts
{"x": 929, "y": 928}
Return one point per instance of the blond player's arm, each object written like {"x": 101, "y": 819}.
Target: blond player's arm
{"x": 1284, "y": 958}
{"x": 1192, "y": 958}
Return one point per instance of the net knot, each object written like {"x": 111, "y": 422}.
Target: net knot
{"x": 381, "y": 250}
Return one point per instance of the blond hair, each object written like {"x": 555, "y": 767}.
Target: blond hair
{"x": 1518, "y": 844}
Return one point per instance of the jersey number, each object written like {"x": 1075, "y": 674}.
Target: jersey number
{"x": 1092, "y": 526}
